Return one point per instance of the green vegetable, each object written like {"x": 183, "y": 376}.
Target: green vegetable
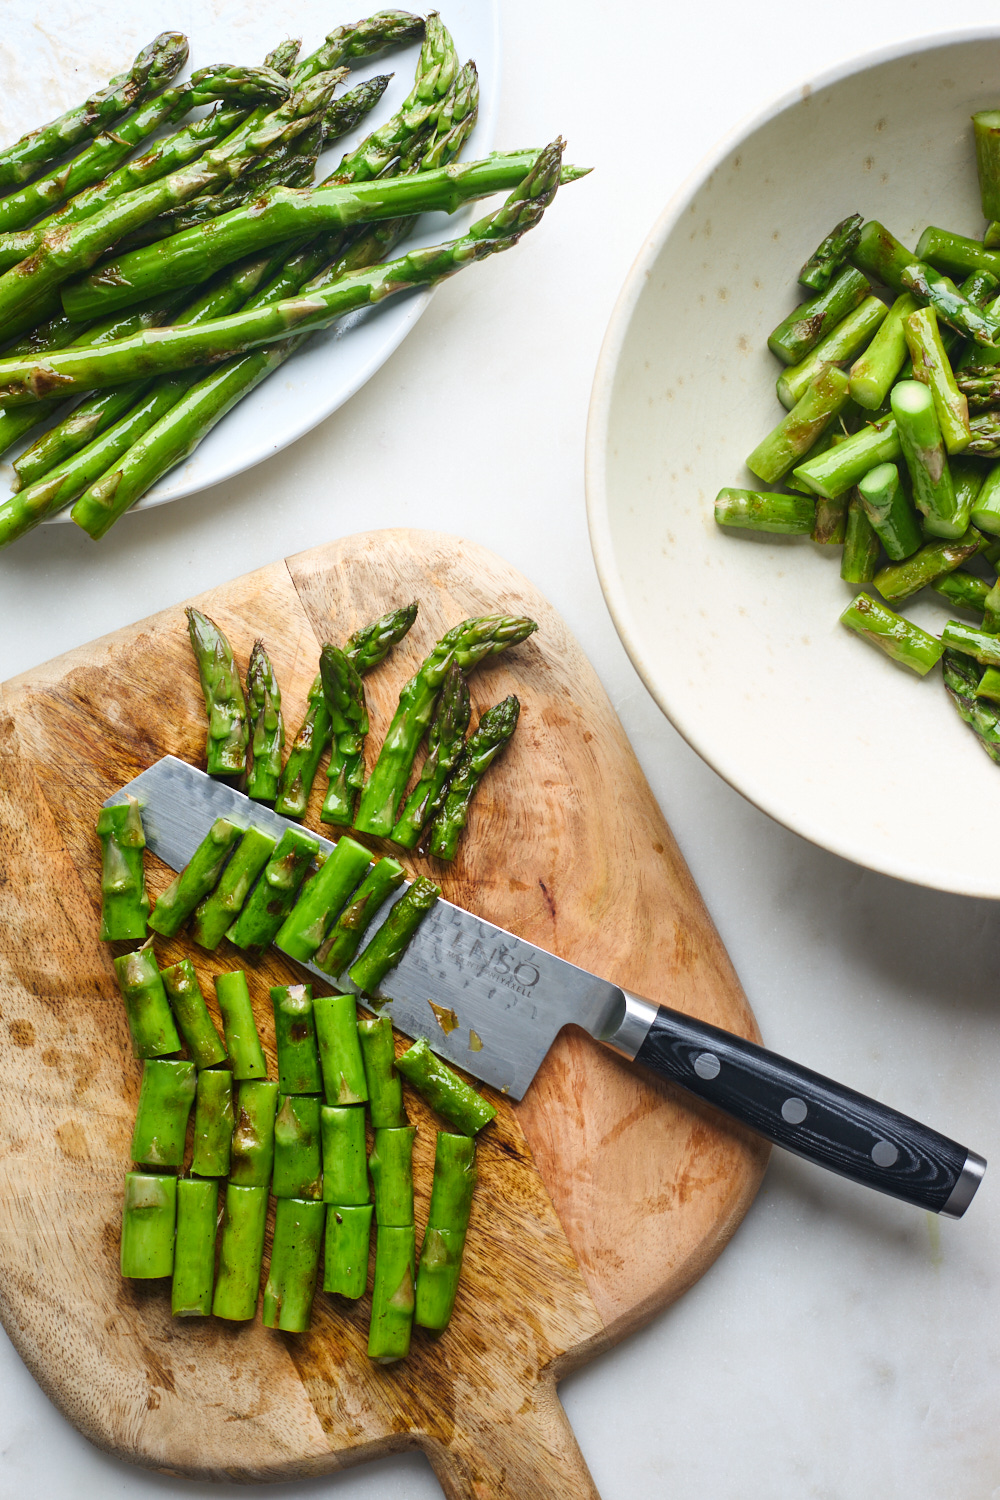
{"x": 385, "y": 1088}
{"x": 295, "y": 1040}
{"x": 298, "y": 1171}
{"x": 165, "y": 1099}
{"x": 900, "y": 639}
{"x": 242, "y": 1041}
{"x": 785, "y": 515}
{"x": 495, "y": 729}
{"x": 197, "y": 878}
{"x": 447, "y": 1224}
{"x": 345, "y": 1252}
{"x": 214, "y": 1121}
{"x": 273, "y": 896}
{"x": 306, "y": 926}
{"x": 824, "y": 396}
{"x": 345, "y": 1154}
{"x": 194, "y": 1252}
{"x": 267, "y": 727}
{"x": 344, "y": 937}
{"x": 336, "y": 1018}
{"x": 148, "y": 1220}
{"x": 241, "y": 1252}
{"x": 253, "y": 1137}
{"x": 830, "y": 255}
{"x": 923, "y": 450}
{"x": 124, "y": 902}
{"x": 391, "y": 1168}
{"x": 146, "y": 1007}
{"x": 191, "y": 1014}
{"x": 803, "y": 329}
{"x": 228, "y": 733}
{"x": 393, "y": 1293}
{"x": 390, "y": 942}
{"x": 291, "y": 1278}
{"x": 219, "y": 909}
{"x": 452, "y": 1098}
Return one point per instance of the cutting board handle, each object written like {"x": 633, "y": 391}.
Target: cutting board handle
{"x": 532, "y": 1455}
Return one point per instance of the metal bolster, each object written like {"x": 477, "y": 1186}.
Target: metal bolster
{"x": 964, "y": 1190}
{"x": 634, "y": 1027}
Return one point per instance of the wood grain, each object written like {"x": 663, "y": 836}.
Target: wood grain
{"x": 603, "y": 1193}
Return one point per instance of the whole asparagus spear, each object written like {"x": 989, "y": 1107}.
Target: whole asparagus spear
{"x": 188, "y": 258}
{"x": 365, "y": 38}
{"x": 164, "y": 56}
{"x": 239, "y": 87}
{"x": 467, "y": 645}
{"x": 110, "y": 147}
{"x": 495, "y": 729}
{"x": 75, "y": 247}
{"x": 174, "y": 436}
{"x": 267, "y": 728}
{"x": 228, "y": 733}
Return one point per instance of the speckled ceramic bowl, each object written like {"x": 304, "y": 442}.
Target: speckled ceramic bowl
{"x": 738, "y": 638}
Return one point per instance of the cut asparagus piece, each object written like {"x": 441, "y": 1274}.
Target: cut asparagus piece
{"x": 194, "y": 1251}
{"x": 273, "y": 896}
{"x": 880, "y": 255}
{"x": 267, "y": 727}
{"x": 154, "y": 66}
{"x": 219, "y": 909}
{"x": 197, "y": 878}
{"x": 986, "y": 132}
{"x": 841, "y": 344}
{"x": 983, "y": 645}
{"x": 191, "y": 1014}
{"x": 295, "y": 1040}
{"x": 955, "y": 254}
{"x": 932, "y": 367}
{"x": 923, "y": 450}
{"x": 343, "y": 1070}
{"x": 900, "y": 639}
{"x": 228, "y": 732}
{"x": 963, "y": 590}
{"x": 861, "y": 545}
{"x": 345, "y": 1252}
{"x": 291, "y": 1278}
{"x": 124, "y": 902}
{"x": 751, "y": 510}
{"x": 345, "y": 700}
{"x": 822, "y": 399}
{"x": 890, "y": 512}
{"x": 452, "y": 1098}
{"x": 985, "y": 510}
{"x": 241, "y": 1253}
{"x": 900, "y": 580}
{"x": 390, "y": 941}
{"x": 828, "y": 257}
{"x": 298, "y": 1169}
{"x": 391, "y": 1168}
{"x": 344, "y": 938}
{"x": 214, "y": 1122}
{"x": 345, "y": 1154}
{"x": 242, "y": 1041}
{"x": 148, "y": 1221}
{"x": 304, "y": 929}
{"x": 874, "y": 371}
{"x": 942, "y": 294}
{"x": 146, "y": 1006}
{"x": 305, "y": 755}
{"x": 393, "y": 1293}
{"x": 494, "y": 732}
{"x": 165, "y": 1099}
{"x": 445, "y": 743}
{"x": 830, "y": 524}
{"x": 253, "y": 1136}
{"x": 385, "y": 1087}
{"x": 835, "y": 472}
{"x": 961, "y": 678}
{"x": 467, "y": 644}
{"x": 440, "y": 1263}
{"x": 812, "y": 320}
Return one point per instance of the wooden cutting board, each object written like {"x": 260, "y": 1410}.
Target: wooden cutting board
{"x": 603, "y": 1195}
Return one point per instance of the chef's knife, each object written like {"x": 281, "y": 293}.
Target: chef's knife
{"x": 511, "y": 999}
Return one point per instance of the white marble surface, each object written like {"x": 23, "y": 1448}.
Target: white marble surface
{"x": 844, "y": 1345}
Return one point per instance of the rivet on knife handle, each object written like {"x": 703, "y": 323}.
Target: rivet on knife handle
{"x": 823, "y": 1121}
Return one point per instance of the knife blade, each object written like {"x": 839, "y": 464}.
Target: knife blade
{"x": 511, "y": 999}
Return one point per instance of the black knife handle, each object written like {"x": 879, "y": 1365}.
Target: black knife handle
{"x": 802, "y": 1111}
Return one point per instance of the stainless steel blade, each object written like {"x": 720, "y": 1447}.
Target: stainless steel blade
{"x": 515, "y": 998}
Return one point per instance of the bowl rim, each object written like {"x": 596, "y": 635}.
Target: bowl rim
{"x": 598, "y": 417}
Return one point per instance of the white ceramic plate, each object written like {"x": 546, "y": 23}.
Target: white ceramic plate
{"x": 49, "y": 64}
{"x": 737, "y": 637}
